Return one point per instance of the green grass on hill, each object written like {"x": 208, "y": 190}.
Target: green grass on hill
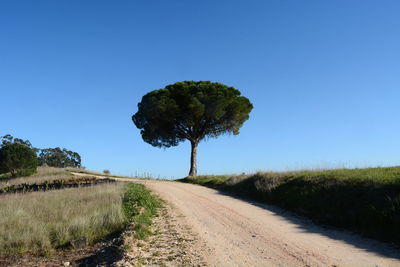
{"x": 364, "y": 200}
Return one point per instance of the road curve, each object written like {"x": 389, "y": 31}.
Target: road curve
{"x": 240, "y": 233}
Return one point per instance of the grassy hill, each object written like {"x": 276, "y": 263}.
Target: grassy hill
{"x": 364, "y": 200}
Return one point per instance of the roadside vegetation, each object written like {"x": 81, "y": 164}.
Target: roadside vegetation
{"x": 38, "y": 223}
{"x": 140, "y": 206}
{"x": 366, "y": 201}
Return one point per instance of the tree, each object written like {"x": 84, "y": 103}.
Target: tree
{"x": 190, "y": 110}
{"x": 61, "y": 158}
{"x": 17, "y": 157}
{"x": 8, "y": 139}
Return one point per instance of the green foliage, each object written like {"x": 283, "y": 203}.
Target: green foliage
{"x": 9, "y": 139}
{"x": 54, "y": 157}
{"x": 106, "y": 172}
{"x": 139, "y": 207}
{"x": 61, "y": 158}
{"x": 17, "y": 158}
{"x": 190, "y": 110}
{"x": 364, "y": 200}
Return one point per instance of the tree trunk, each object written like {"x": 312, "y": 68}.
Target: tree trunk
{"x": 193, "y": 164}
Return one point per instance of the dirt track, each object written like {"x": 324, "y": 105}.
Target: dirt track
{"x": 243, "y": 234}
{"x": 239, "y": 233}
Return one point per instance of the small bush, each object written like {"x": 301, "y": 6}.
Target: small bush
{"x": 106, "y": 172}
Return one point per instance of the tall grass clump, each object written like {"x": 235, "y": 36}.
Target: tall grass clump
{"x": 364, "y": 200}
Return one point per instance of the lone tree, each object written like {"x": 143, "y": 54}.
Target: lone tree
{"x": 191, "y": 110}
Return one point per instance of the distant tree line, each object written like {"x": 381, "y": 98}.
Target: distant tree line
{"x": 19, "y": 158}
{"x": 57, "y": 157}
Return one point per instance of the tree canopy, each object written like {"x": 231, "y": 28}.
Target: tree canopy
{"x": 61, "y": 158}
{"x": 17, "y": 157}
{"x": 190, "y": 110}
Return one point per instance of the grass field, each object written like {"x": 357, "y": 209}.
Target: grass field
{"x": 41, "y": 222}
{"x": 364, "y": 200}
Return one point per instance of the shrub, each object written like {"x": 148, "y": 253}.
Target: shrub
{"x": 106, "y": 172}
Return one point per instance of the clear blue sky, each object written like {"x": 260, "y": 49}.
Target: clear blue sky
{"x": 324, "y": 78}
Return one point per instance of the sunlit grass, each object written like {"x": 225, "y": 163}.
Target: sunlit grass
{"x": 42, "y": 221}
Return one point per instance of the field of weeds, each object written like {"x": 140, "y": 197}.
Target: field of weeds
{"x": 38, "y": 223}
{"x": 42, "y": 221}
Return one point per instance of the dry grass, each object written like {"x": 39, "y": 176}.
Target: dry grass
{"x": 78, "y": 170}
{"x": 40, "y": 222}
{"x": 89, "y": 173}
{"x": 43, "y": 174}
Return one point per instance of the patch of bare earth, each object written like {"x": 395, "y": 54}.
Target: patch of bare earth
{"x": 172, "y": 243}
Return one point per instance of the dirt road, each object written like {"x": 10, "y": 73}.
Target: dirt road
{"x": 239, "y": 233}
